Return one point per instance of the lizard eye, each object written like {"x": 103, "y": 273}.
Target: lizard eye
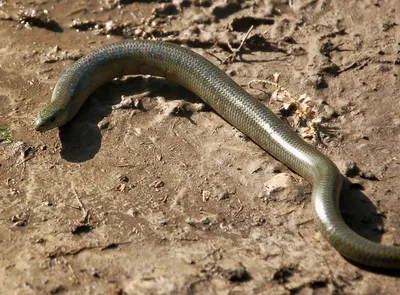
{"x": 52, "y": 119}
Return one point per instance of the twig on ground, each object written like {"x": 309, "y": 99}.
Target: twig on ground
{"x": 235, "y": 52}
{"x": 61, "y": 253}
{"x": 86, "y": 216}
{"x": 355, "y": 64}
{"x": 215, "y": 56}
{"x": 240, "y": 209}
{"x": 125, "y": 165}
{"x": 72, "y": 271}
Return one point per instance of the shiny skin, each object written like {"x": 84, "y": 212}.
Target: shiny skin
{"x": 237, "y": 107}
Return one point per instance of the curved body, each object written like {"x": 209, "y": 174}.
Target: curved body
{"x": 237, "y": 107}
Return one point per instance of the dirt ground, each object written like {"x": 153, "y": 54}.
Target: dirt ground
{"x": 153, "y": 199}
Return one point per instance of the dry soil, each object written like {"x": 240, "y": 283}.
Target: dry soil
{"x": 162, "y": 196}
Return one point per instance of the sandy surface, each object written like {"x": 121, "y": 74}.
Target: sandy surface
{"x": 153, "y": 200}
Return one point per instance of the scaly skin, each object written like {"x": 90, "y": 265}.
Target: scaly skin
{"x": 238, "y": 108}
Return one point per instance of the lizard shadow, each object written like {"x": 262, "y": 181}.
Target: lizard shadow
{"x": 359, "y": 212}
{"x": 81, "y": 137}
{"x": 362, "y": 216}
